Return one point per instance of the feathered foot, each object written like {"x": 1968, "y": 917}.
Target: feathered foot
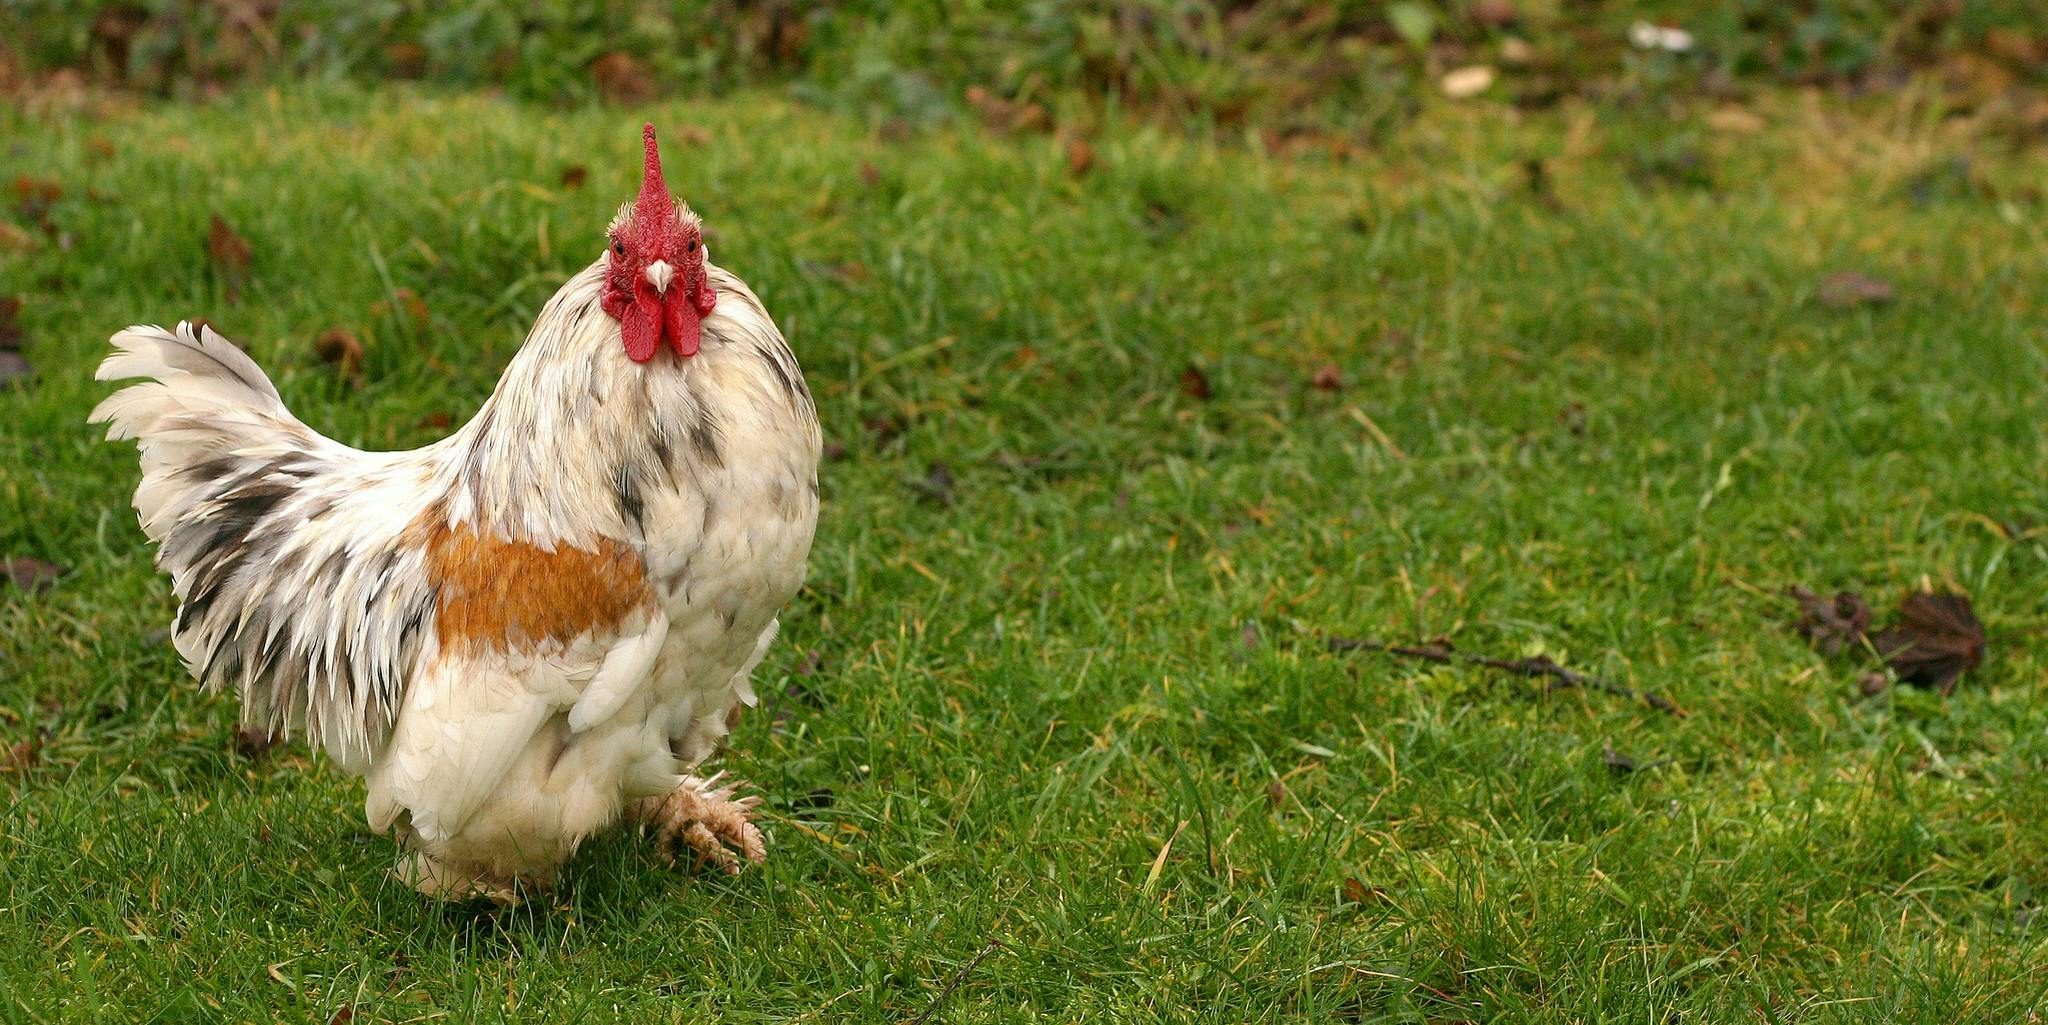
{"x": 704, "y": 816}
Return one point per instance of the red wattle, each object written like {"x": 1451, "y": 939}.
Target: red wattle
{"x": 640, "y": 329}
{"x": 685, "y": 326}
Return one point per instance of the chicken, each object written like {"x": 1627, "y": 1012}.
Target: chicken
{"x": 536, "y": 627}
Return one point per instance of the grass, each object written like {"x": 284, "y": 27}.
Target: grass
{"x": 1048, "y": 705}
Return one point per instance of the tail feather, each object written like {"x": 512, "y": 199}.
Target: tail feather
{"x": 287, "y": 549}
{"x": 206, "y": 399}
{"x": 193, "y": 352}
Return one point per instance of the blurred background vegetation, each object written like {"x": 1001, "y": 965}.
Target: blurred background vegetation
{"x": 1280, "y": 73}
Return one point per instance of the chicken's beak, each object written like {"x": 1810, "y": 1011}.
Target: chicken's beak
{"x": 659, "y": 274}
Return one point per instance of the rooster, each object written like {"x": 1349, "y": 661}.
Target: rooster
{"x": 536, "y": 627}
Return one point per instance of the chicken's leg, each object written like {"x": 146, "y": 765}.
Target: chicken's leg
{"x": 703, "y": 815}
{"x": 444, "y": 881}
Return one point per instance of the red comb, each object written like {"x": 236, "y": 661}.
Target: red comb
{"x": 655, "y": 206}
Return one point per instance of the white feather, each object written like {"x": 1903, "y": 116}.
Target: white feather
{"x": 623, "y": 673}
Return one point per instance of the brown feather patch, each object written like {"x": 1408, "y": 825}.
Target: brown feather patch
{"x": 496, "y": 594}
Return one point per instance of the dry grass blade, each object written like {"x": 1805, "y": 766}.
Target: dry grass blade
{"x": 958, "y": 978}
{"x": 1536, "y": 666}
{"x": 1843, "y": 289}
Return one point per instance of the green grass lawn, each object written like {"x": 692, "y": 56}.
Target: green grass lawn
{"x": 1078, "y": 702}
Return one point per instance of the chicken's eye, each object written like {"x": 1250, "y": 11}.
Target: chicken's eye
{"x": 692, "y": 247}
{"x": 618, "y": 248}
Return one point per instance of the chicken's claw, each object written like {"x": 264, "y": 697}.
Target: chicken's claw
{"x": 705, "y": 816}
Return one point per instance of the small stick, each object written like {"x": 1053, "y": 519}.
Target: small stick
{"x": 1540, "y": 665}
{"x": 958, "y": 978}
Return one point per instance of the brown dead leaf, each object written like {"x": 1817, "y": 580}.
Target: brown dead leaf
{"x": 835, "y": 451}
{"x": 113, "y": 33}
{"x": 1007, "y": 116}
{"x": 338, "y": 346}
{"x": 1276, "y": 793}
{"x": 229, "y": 254}
{"x": 33, "y": 197}
{"x": 342, "y": 1015}
{"x": 1495, "y": 14}
{"x": 691, "y": 134}
{"x": 10, "y": 323}
{"x": 255, "y": 744}
{"x": 1572, "y": 417}
{"x": 574, "y": 175}
{"x": 31, "y": 574}
{"x": 1080, "y": 157}
{"x": 1873, "y": 683}
{"x": 1328, "y": 377}
{"x": 870, "y": 175}
{"x": 1195, "y": 384}
{"x": 99, "y": 147}
{"x": 1831, "y": 624}
{"x": 406, "y": 61}
{"x": 2016, "y": 47}
{"x": 1359, "y": 893}
{"x": 414, "y": 306}
{"x": 16, "y": 239}
{"x": 1852, "y": 288}
{"x": 885, "y": 429}
{"x": 13, "y": 366}
{"x": 1936, "y": 640}
{"x": 622, "y": 79}
{"x": 437, "y": 421}
{"x": 22, "y": 755}
{"x": 409, "y": 301}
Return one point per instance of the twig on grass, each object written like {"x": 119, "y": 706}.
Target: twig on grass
{"x": 1536, "y": 666}
{"x": 958, "y": 978}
